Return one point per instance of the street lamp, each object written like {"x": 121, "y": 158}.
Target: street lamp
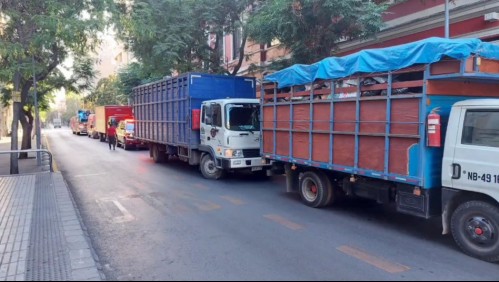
{"x": 37, "y": 117}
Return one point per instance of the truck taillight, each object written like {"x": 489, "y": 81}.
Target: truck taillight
{"x": 196, "y": 119}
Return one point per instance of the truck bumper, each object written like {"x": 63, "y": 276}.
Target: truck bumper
{"x": 136, "y": 142}
{"x": 252, "y": 163}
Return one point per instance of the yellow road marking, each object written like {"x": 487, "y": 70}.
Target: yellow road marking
{"x": 54, "y": 163}
{"x": 374, "y": 261}
{"x": 284, "y": 222}
{"x": 234, "y": 201}
{"x": 207, "y": 206}
{"x": 200, "y": 186}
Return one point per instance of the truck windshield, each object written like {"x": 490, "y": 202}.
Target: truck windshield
{"x": 243, "y": 117}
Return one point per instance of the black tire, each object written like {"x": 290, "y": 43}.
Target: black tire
{"x": 125, "y": 147}
{"x": 315, "y": 189}
{"x": 209, "y": 169}
{"x": 157, "y": 155}
{"x": 475, "y": 228}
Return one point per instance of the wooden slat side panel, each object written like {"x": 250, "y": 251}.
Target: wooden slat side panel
{"x": 460, "y": 88}
{"x": 301, "y": 116}
{"x": 320, "y": 148}
{"x": 282, "y": 140}
{"x": 405, "y": 116}
{"x": 373, "y": 116}
{"x": 343, "y": 150}
{"x": 344, "y": 116}
{"x": 268, "y": 142}
{"x": 322, "y": 113}
{"x": 399, "y": 155}
{"x": 301, "y": 145}
{"x": 372, "y": 153}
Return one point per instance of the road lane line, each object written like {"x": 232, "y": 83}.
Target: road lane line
{"x": 284, "y": 222}
{"x": 374, "y": 261}
{"x": 232, "y": 200}
{"x": 127, "y": 216}
{"x": 109, "y": 206}
{"x": 54, "y": 163}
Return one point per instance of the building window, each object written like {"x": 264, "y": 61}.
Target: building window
{"x": 236, "y": 43}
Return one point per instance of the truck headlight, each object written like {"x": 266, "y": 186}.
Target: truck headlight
{"x": 231, "y": 153}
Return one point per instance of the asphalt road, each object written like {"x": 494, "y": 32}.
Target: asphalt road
{"x": 152, "y": 221}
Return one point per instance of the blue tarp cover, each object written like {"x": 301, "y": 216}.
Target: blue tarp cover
{"x": 425, "y": 51}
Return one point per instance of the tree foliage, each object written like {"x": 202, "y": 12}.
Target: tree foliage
{"x": 180, "y": 35}
{"x": 311, "y": 29}
{"x": 36, "y": 38}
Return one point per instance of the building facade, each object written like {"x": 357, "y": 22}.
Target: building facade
{"x": 405, "y": 21}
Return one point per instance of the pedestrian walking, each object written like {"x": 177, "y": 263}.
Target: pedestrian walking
{"x": 111, "y": 136}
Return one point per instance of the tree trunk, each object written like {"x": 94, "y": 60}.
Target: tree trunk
{"x": 27, "y": 124}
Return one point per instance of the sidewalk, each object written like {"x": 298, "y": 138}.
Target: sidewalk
{"x": 41, "y": 233}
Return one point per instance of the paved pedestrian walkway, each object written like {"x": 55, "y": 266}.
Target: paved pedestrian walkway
{"x": 41, "y": 233}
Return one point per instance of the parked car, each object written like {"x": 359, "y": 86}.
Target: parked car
{"x": 125, "y": 135}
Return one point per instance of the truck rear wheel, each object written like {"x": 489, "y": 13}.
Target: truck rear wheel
{"x": 157, "y": 155}
{"x": 315, "y": 189}
{"x": 475, "y": 228}
{"x": 209, "y": 168}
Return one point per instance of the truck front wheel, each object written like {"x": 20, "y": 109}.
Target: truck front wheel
{"x": 209, "y": 168}
{"x": 315, "y": 189}
{"x": 475, "y": 228}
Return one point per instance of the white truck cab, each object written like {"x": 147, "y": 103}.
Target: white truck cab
{"x": 470, "y": 177}
{"x": 230, "y": 133}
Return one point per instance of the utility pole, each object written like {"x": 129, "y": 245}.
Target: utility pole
{"x": 16, "y": 99}
{"x": 446, "y": 18}
{"x": 37, "y": 118}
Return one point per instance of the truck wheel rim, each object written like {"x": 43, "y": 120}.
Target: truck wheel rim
{"x": 309, "y": 190}
{"x": 209, "y": 167}
{"x": 480, "y": 231}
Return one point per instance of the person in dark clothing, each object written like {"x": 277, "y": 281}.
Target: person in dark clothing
{"x": 111, "y": 136}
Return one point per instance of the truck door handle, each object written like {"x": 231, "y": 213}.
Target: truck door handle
{"x": 456, "y": 171}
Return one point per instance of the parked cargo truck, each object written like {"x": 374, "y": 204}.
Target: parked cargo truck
{"x": 206, "y": 120}
{"x": 110, "y": 114}
{"x": 416, "y": 125}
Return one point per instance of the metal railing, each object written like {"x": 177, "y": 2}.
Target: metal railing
{"x": 32, "y": 151}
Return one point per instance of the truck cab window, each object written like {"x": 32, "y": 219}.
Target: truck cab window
{"x": 481, "y": 128}
{"x": 217, "y": 115}
{"x": 203, "y": 114}
{"x": 243, "y": 117}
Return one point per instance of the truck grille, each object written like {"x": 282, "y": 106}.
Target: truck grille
{"x": 251, "y": 153}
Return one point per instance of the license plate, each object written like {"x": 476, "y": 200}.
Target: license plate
{"x": 256, "y": 168}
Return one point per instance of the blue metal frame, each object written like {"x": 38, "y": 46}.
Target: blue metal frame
{"x": 331, "y": 123}
{"x": 357, "y": 125}
{"x": 388, "y": 127}
{"x": 311, "y": 124}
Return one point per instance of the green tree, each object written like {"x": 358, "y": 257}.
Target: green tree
{"x": 73, "y": 103}
{"x": 106, "y": 93}
{"x": 181, "y": 35}
{"x": 311, "y": 29}
{"x": 36, "y": 38}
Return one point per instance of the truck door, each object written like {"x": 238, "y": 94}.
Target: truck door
{"x": 475, "y": 166}
{"x": 212, "y": 127}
